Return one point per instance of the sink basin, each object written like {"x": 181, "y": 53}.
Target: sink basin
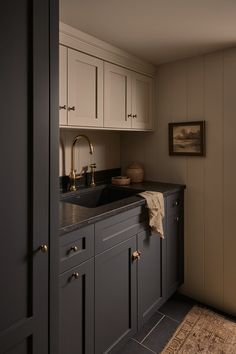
{"x": 100, "y": 195}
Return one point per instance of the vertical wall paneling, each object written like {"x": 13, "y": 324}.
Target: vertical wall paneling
{"x": 195, "y": 183}
{"x": 214, "y": 179}
{"x": 201, "y": 88}
{"x": 229, "y": 179}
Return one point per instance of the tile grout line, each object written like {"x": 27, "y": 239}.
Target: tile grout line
{"x": 142, "y": 345}
{"x": 171, "y": 318}
{"x": 152, "y": 329}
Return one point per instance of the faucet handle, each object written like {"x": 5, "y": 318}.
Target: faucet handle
{"x": 93, "y": 166}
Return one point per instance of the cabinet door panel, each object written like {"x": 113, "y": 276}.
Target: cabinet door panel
{"x": 85, "y": 90}
{"x": 77, "y": 310}
{"x": 149, "y": 275}
{"x": 24, "y": 209}
{"x": 115, "y": 296}
{"x": 62, "y": 85}
{"x": 142, "y": 91}
{"x": 24, "y": 347}
{"x": 117, "y": 96}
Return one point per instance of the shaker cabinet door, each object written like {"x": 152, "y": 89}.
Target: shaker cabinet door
{"x": 62, "y": 85}
{"x": 115, "y": 296}
{"x": 117, "y": 96}
{"x": 85, "y": 90}
{"x": 150, "y": 268}
{"x": 77, "y": 309}
{"x": 142, "y": 105}
{"x": 24, "y": 142}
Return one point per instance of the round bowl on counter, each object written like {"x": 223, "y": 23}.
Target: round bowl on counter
{"x": 120, "y": 180}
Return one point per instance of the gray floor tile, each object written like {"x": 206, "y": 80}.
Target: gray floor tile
{"x": 159, "y": 337}
{"x": 177, "y": 307}
{"x": 133, "y": 347}
{"x": 148, "y": 326}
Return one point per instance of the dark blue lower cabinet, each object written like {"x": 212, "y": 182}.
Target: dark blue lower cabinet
{"x": 77, "y": 309}
{"x": 150, "y": 268}
{"x": 115, "y": 296}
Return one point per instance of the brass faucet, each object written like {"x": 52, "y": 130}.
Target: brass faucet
{"x": 73, "y": 175}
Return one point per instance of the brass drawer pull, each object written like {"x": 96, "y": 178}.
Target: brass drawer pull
{"x": 43, "y": 248}
{"x": 74, "y": 249}
{"x": 134, "y": 115}
{"x": 71, "y": 108}
{"x": 136, "y": 256}
{"x": 75, "y": 275}
{"x": 62, "y": 107}
{"x": 129, "y": 115}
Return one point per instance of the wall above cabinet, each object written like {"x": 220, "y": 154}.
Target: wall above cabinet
{"x": 102, "y": 87}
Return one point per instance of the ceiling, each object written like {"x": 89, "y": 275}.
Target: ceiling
{"x": 158, "y": 31}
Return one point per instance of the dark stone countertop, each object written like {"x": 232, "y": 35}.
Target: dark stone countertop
{"x": 73, "y": 216}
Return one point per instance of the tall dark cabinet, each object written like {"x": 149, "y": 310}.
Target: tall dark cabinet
{"x": 29, "y": 150}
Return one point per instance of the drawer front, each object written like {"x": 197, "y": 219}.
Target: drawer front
{"x": 174, "y": 204}
{"x": 76, "y": 247}
{"x": 113, "y": 230}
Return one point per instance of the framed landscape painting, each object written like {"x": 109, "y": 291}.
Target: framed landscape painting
{"x": 187, "y": 138}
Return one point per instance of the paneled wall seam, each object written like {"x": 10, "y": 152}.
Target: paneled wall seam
{"x": 223, "y": 168}
{"x": 204, "y": 180}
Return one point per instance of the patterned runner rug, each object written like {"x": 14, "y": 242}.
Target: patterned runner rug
{"x": 203, "y": 331}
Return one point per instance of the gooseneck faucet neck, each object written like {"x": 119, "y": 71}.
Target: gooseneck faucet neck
{"x": 76, "y": 139}
{"x": 73, "y": 175}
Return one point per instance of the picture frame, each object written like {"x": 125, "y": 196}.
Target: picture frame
{"x": 187, "y": 139}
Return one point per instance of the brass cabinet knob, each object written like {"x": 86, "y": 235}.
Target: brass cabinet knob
{"x": 43, "y": 248}
{"x": 134, "y": 115}
{"x": 129, "y": 115}
{"x": 62, "y": 107}
{"x": 136, "y": 256}
{"x": 71, "y": 108}
{"x": 176, "y": 203}
{"x": 75, "y": 275}
{"x": 177, "y": 218}
{"x": 74, "y": 249}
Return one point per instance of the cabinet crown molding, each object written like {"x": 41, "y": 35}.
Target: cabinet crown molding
{"x": 76, "y": 39}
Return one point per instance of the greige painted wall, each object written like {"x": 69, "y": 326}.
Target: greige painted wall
{"x": 201, "y": 88}
{"x": 106, "y": 149}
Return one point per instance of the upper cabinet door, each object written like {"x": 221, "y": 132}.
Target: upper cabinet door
{"x": 85, "y": 90}
{"x": 62, "y": 85}
{"x": 117, "y": 97}
{"x": 142, "y": 92}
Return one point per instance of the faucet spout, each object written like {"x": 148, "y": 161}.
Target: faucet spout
{"x": 73, "y": 175}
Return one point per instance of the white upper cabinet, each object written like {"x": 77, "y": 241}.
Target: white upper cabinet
{"x": 101, "y": 86}
{"x": 142, "y": 105}
{"x": 117, "y": 97}
{"x": 62, "y": 85}
{"x": 127, "y": 99}
{"x": 85, "y": 90}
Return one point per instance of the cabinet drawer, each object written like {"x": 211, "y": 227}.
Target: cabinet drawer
{"x": 118, "y": 228}
{"x": 76, "y": 247}
{"x": 174, "y": 204}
